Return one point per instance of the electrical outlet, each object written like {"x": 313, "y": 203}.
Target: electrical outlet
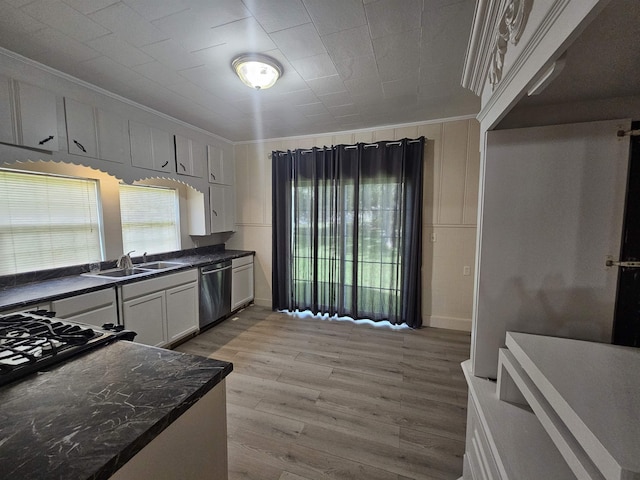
{"x": 466, "y": 270}
{"x": 433, "y": 237}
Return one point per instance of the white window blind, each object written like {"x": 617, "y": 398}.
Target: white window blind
{"x": 47, "y": 221}
{"x": 150, "y": 219}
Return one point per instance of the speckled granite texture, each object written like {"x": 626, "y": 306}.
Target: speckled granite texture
{"x": 87, "y": 417}
{"x": 27, "y": 289}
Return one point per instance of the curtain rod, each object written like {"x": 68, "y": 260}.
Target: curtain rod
{"x": 366, "y": 145}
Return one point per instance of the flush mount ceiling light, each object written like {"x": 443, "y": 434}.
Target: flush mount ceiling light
{"x": 257, "y": 71}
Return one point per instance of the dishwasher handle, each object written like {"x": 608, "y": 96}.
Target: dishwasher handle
{"x": 218, "y": 267}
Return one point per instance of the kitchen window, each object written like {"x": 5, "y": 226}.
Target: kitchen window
{"x": 150, "y": 219}
{"x": 48, "y": 221}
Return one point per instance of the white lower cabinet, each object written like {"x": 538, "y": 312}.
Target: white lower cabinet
{"x": 161, "y": 310}
{"x": 147, "y": 316}
{"x": 94, "y": 308}
{"x": 182, "y": 309}
{"x": 241, "y": 281}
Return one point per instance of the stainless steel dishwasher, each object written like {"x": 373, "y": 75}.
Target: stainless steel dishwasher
{"x": 215, "y": 293}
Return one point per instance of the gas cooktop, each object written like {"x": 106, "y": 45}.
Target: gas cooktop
{"x": 31, "y": 341}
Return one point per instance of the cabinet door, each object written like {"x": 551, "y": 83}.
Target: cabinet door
{"x": 151, "y": 148}
{"x": 220, "y": 166}
{"x": 228, "y": 172}
{"x": 140, "y": 140}
{"x": 113, "y": 137}
{"x": 216, "y": 199}
{"x": 190, "y": 156}
{"x": 147, "y": 317}
{"x": 222, "y": 205}
{"x": 81, "y": 128}
{"x": 183, "y": 155}
{"x": 163, "y": 151}
{"x": 38, "y": 120}
{"x": 182, "y": 311}
{"x": 229, "y": 209}
{"x": 6, "y": 111}
{"x": 214, "y": 162}
{"x": 199, "y": 158}
{"x": 241, "y": 286}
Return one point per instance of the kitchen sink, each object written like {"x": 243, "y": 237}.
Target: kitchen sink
{"x": 119, "y": 273}
{"x": 160, "y": 265}
{"x": 139, "y": 270}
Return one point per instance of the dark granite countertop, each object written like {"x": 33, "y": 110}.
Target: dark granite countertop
{"x": 52, "y": 286}
{"x": 85, "y": 418}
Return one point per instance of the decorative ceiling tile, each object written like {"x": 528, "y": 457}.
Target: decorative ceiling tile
{"x": 347, "y": 44}
{"x": 388, "y": 17}
{"x": 299, "y": 42}
{"x": 128, "y": 24}
{"x": 276, "y": 15}
{"x": 331, "y": 16}
{"x": 65, "y": 19}
{"x": 315, "y": 67}
{"x": 120, "y": 51}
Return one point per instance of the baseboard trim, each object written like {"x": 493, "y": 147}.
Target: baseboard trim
{"x": 262, "y": 302}
{"x": 452, "y": 323}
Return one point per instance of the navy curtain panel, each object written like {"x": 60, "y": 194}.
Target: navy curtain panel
{"x": 347, "y": 230}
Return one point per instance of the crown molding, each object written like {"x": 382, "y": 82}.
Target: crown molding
{"x": 480, "y": 47}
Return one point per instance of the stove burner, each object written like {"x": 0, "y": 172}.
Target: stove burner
{"x": 25, "y": 338}
{"x": 30, "y": 341}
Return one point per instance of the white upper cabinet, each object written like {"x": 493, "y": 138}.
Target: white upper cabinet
{"x": 96, "y": 133}
{"x": 190, "y": 157}
{"x": 113, "y": 137}
{"x": 36, "y": 117}
{"x": 222, "y": 208}
{"x": 6, "y": 111}
{"x": 81, "y": 128}
{"x": 220, "y": 166}
{"x": 151, "y": 148}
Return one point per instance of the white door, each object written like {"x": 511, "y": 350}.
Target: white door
{"x": 81, "y": 130}
{"x": 552, "y": 204}
{"x": 217, "y": 208}
{"x": 38, "y": 117}
{"x": 113, "y": 137}
{"x": 147, "y": 317}
{"x": 182, "y": 311}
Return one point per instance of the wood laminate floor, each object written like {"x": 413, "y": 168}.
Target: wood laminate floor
{"x": 326, "y": 399}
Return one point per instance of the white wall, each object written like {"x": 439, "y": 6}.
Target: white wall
{"x": 450, "y": 210}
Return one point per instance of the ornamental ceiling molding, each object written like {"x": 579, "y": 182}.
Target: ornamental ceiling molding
{"x": 509, "y": 30}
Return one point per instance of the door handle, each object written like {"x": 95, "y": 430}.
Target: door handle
{"x": 615, "y": 263}
{"x": 80, "y": 146}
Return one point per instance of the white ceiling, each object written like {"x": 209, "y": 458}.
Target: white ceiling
{"x": 348, "y": 64}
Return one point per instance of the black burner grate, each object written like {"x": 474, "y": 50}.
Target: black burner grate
{"x": 30, "y": 341}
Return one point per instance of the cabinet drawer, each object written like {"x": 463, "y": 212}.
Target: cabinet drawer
{"x": 239, "y": 262}
{"x": 143, "y": 287}
{"x": 72, "y": 306}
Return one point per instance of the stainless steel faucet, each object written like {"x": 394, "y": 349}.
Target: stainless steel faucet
{"x": 125, "y": 261}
